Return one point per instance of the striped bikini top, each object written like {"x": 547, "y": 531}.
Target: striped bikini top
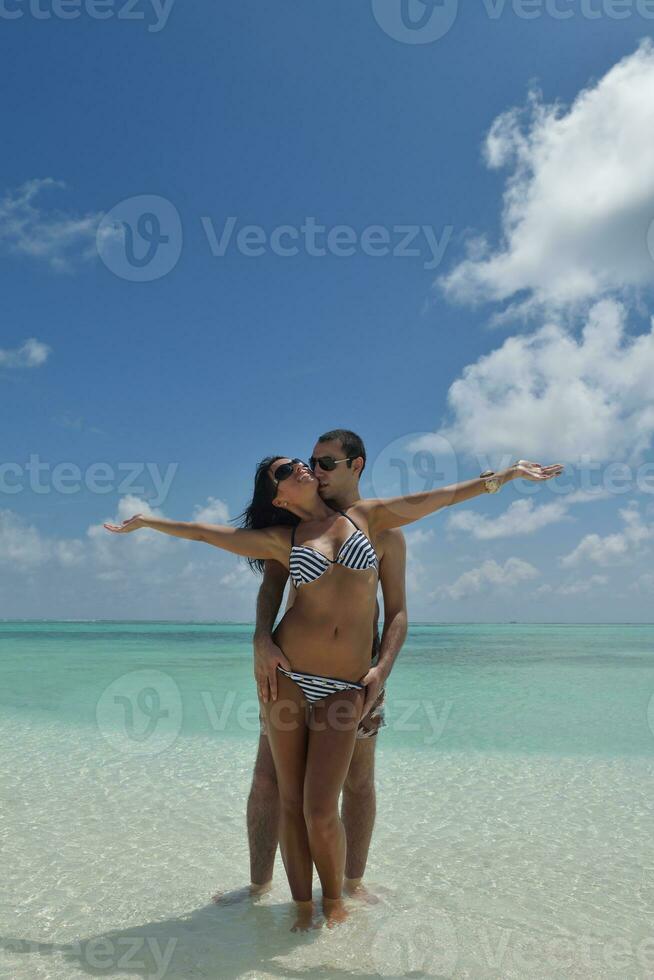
{"x": 307, "y": 564}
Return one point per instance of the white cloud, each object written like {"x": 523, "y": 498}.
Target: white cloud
{"x": 20, "y": 544}
{"x": 112, "y": 576}
{"x": 67, "y": 420}
{"x": 520, "y": 517}
{"x": 619, "y": 548}
{"x": 579, "y": 198}
{"x": 418, "y": 536}
{"x": 56, "y": 237}
{"x": 142, "y": 547}
{"x": 416, "y": 571}
{"x": 490, "y": 575}
{"x": 582, "y": 585}
{"x": 643, "y": 585}
{"x": 587, "y": 496}
{"x": 189, "y": 570}
{"x": 33, "y": 353}
{"x": 138, "y": 575}
{"x": 69, "y": 552}
{"x": 25, "y": 548}
{"x": 550, "y": 397}
{"x": 215, "y": 511}
{"x": 240, "y": 577}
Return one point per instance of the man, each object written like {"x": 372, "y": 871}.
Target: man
{"x": 339, "y": 457}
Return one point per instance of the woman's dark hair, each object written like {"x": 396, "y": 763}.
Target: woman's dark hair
{"x": 261, "y": 512}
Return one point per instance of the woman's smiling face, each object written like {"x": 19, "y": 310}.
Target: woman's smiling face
{"x": 298, "y": 488}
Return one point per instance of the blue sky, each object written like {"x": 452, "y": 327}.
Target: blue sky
{"x": 525, "y": 333}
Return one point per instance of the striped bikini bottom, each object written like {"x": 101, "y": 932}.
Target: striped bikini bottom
{"x": 317, "y": 688}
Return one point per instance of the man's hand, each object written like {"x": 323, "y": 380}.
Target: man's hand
{"x": 266, "y": 657}
{"x": 374, "y": 680}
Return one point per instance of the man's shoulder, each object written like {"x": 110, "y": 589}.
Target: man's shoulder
{"x": 392, "y": 535}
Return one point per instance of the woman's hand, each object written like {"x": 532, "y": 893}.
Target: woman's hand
{"x": 526, "y": 470}
{"x": 131, "y": 524}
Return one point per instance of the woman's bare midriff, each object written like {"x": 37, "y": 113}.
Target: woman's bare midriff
{"x": 329, "y": 628}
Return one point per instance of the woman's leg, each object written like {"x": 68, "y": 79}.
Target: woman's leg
{"x": 332, "y": 733}
{"x": 287, "y": 734}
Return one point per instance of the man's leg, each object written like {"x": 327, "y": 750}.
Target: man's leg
{"x": 263, "y": 817}
{"x": 359, "y": 804}
{"x": 358, "y": 810}
{"x": 263, "y": 826}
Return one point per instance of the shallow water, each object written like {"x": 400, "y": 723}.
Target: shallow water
{"x": 514, "y": 826}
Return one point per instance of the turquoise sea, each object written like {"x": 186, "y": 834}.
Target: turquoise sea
{"x": 515, "y": 810}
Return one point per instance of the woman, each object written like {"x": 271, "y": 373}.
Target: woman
{"x": 326, "y": 636}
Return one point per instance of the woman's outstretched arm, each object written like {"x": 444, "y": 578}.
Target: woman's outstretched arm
{"x": 397, "y": 511}
{"x": 269, "y": 542}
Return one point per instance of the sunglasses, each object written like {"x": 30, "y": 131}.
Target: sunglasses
{"x": 284, "y": 471}
{"x": 328, "y": 462}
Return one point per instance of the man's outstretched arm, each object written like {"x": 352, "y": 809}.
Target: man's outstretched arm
{"x": 392, "y": 575}
{"x": 266, "y": 654}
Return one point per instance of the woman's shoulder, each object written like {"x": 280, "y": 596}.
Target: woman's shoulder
{"x": 281, "y": 532}
{"x": 365, "y": 513}
{"x": 280, "y": 535}
{"x": 361, "y": 508}
{"x": 359, "y": 514}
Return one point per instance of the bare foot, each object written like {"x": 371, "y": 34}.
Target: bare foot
{"x": 241, "y": 894}
{"x": 334, "y": 911}
{"x": 355, "y": 888}
{"x": 303, "y": 917}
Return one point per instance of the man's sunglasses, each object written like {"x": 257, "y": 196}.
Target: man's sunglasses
{"x": 328, "y": 462}
{"x": 284, "y": 471}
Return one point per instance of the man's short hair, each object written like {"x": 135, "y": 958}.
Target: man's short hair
{"x": 352, "y": 443}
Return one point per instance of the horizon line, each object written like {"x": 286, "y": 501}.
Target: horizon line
{"x": 417, "y": 622}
